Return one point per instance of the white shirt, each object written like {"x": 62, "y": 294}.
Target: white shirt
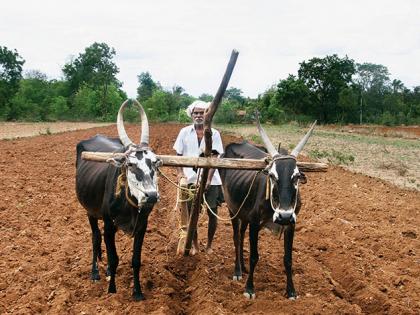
{"x": 186, "y": 144}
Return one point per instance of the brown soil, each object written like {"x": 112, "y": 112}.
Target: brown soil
{"x": 13, "y": 130}
{"x": 356, "y": 248}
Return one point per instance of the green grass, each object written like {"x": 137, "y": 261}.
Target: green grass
{"x": 333, "y": 156}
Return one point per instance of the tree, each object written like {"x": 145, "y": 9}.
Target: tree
{"x": 397, "y": 86}
{"x": 263, "y": 104}
{"x": 294, "y": 97}
{"x": 88, "y": 106}
{"x": 159, "y": 105}
{"x": 32, "y": 100}
{"x": 326, "y": 77}
{"x": 206, "y": 97}
{"x": 348, "y": 105}
{"x": 146, "y": 86}
{"x": 235, "y": 95}
{"x": 10, "y": 74}
{"x": 94, "y": 69}
{"x": 372, "y": 81}
{"x": 370, "y": 76}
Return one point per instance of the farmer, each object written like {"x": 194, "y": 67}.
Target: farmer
{"x": 190, "y": 143}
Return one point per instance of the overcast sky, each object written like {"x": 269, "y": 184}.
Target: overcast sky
{"x": 189, "y": 42}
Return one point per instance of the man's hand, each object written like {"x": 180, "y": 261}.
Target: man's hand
{"x": 180, "y": 176}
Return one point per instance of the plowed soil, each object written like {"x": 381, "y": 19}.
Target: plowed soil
{"x": 356, "y": 248}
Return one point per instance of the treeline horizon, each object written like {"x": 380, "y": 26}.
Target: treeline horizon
{"x": 332, "y": 89}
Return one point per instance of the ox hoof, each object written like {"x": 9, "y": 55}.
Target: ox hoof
{"x": 292, "y": 295}
{"x": 138, "y": 297}
{"x": 237, "y": 278}
{"x": 249, "y": 295}
{"x": 95, "y": 277}
{"x": 209, "y": 251}
{"x": 108, "y": 278}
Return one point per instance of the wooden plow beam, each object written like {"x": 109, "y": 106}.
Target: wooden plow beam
{"x": 207, "y": 162}
{"x": 208, "y": 117}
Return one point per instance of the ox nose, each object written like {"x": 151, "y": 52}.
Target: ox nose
{"x": 152, "y": 197}
{"x": 284, "y": 218}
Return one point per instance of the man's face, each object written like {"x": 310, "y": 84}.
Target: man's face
{"x": 198, "y": 116}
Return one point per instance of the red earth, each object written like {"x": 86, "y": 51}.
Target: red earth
{"x": 356, "y": 247}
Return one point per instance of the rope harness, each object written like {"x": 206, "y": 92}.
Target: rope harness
{"x": 278, "y": 211}
{"x": 122, "y": 182}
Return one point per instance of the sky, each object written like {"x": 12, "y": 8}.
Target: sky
{"x": 189, "y": 42}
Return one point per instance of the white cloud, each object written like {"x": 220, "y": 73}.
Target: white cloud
{"x": 188, "y": 42}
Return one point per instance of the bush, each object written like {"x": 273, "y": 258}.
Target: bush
{"x": 387, "y": 119}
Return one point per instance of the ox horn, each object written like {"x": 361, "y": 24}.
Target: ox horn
{"x": 120, "y": 126}
{"x": 144, "y": 135}
{"x": 303, "y": 141}
{"x": 267, "y": 143}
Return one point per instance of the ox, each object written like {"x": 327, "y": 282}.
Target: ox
{"x": 263, "y": 199}
{"x": 122, "y": 193}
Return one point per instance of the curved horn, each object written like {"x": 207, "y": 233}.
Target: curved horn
{"x": 267, "y": 143}
{"x": 303, "y": 141}
{"x": 144, "y": 135}
{"x": 120, "y": 126}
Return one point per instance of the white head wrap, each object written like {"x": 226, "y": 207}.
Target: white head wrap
{"x": 196, "y": 104}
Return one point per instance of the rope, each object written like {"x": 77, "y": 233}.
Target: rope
{"x": 240, "y": 208}
{"x": 122, "y": 182}
{"x": 175, "y": 184}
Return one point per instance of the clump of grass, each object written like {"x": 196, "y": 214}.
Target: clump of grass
{"x": 333, "y": 156}
{"x": 46, "y": 132}
{"x": 255, "y": 139}
{"x": 399, "y": 167}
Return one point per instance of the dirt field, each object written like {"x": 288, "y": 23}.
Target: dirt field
{"x": 356, "y": 249}
{"x": 14, "y": 130}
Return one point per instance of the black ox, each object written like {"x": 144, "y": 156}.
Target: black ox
{"x": 122, "y": 193}
{"x": 269, "y": 198}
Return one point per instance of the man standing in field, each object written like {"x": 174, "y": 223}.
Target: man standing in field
{"x": 190, "y": 143}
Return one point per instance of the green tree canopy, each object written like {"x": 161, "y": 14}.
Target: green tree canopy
{"x": 206, "y": 97}
{"x": 94, "y": 71}
{"x": 294, "y": 97}
{"x": 10, "y": 74}
{"x": 94, "y": 68}
{"x": 370, "y": 76}
{"x": 234, "y": 95}
{"x": 326, "y": 77}
{"x": 146, "y": 86}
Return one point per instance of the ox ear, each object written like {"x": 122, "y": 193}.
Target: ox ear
{"x": 117, "y": 161}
